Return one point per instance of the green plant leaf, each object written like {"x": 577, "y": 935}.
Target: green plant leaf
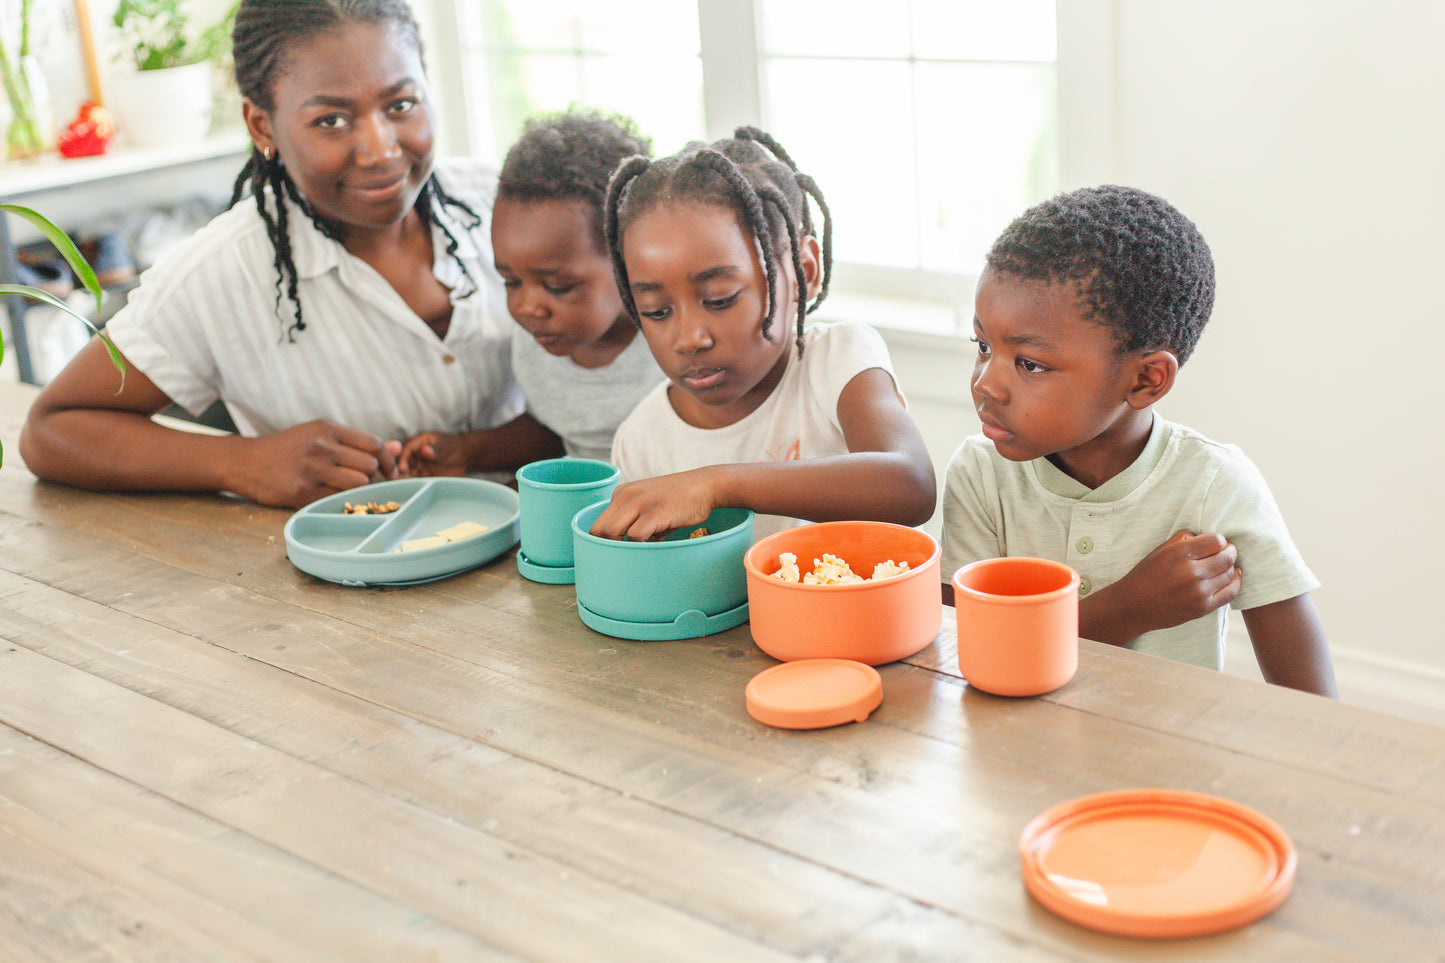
{"x": 67, "y": 250}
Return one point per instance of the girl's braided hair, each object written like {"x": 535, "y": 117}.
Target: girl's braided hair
{"x": 749, "y": 174}
{"x": 263, "y": 32}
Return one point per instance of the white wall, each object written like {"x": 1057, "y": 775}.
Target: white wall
{"x": 1304, "y": 137}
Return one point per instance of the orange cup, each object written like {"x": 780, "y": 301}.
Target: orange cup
{"x": 1018, "y": 624}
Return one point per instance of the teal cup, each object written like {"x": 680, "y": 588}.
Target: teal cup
{"x": 549, "y": 494}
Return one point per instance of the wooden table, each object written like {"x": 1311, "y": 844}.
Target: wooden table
{"x": 207, "y": 755}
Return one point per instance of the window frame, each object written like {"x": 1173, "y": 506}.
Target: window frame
{"x": 924, "y": 302}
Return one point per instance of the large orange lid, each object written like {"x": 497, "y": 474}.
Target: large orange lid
{"x": 814, "y": 693}
{"x": 1157, "y": 862}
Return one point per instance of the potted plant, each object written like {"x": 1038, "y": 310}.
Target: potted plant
{"x": 83, "y": 273}
{"x": 24, "y": 88}
{"x": 166, "y": 98}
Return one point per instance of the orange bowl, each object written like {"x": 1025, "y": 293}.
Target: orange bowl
{"x": 869, "y": 622}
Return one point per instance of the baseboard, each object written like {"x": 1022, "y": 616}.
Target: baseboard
{"x": 1375, "y": 682}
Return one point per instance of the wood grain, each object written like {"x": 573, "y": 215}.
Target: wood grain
{"x": 205, "y": 753}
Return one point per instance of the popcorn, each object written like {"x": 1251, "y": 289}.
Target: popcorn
{"x": 832, "y": 570}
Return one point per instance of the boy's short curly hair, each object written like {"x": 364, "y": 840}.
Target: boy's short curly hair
{"x": 570, "y": 155}
{"x": 1138, "y": 264}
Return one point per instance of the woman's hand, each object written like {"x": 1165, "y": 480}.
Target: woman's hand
{"x": 294, "y": 467}
{"x": 650, "y": 507}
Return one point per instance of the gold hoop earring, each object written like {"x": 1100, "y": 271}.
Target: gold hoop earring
{"x": 268, "y": 153}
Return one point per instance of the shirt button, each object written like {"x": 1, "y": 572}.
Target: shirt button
{"x": 448, "y": 358}
{"x": 1085, "y": 586}
{"x": 1086, "y": 545}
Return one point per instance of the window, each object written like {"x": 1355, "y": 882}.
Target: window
{"x": 928, "y": 127}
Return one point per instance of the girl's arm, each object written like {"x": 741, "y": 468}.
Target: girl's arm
{"x": 886, "y": 475}
{"x": 89, "y": 430}
{"x": 1290, "y": 647}
{"x": 503, "y": 448}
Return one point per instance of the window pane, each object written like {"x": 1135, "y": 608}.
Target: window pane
{"x": 861, "y": 156}
{"x": 587, "y": 25}
{"x": 983, "y": 30}
{"x": 831, "y": 28}
{"x": 525, "y": 56}
{"x": 986, "y": 150}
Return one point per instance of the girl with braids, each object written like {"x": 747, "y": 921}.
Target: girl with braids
{"x": 344, "y": 305}
{"x": 577, "y": 355}
{"x": 718, "y": 261}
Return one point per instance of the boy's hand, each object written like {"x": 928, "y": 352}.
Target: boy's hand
{"x": 294, "y": 467}
{"x": 434, "y": 453}
{"x": 645, "y": 509}
{"x": 1185, "y": 578}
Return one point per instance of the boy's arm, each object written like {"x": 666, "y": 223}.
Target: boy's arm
{"x": 1183, "y": 579}
{"x": 1290, "y": 647}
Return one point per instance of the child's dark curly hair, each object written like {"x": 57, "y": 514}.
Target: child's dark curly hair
{"x": 570, "y": 156}
{"x": 749, "y": 174}
{"x": 1138, "y": 264}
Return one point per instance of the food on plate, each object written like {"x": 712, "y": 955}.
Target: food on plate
{"x": 832, "y": 570}
{"x": 371, "y": 508}
{"x": 455, "y": 533}
{"x": 462, "y": 530}
{"x": 416, "y": 544}
{"x": 698, "y": 533}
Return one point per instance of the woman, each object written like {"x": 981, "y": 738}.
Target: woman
{"x": 348, "y": 305}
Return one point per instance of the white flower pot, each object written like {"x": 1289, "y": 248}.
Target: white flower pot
{"x": 158, "y": 108}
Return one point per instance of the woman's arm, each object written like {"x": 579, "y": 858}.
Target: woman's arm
{"x": 89, "y": 429}
{"x": 886, "y": 475}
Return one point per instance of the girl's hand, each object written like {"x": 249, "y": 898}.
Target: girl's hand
{"x": 645, "y": 509}
{"x": 434, "y": 453}
{"x": 293, "y": 468}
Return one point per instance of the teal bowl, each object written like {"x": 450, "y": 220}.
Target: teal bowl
{"x": 678, "y": 587}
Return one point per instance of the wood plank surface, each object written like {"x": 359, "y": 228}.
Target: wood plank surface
{"x": 207, "y": 754}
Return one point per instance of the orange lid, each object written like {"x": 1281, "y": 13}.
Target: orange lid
{"x": 814, "y": 693}
{"x": 1157, "y": 862}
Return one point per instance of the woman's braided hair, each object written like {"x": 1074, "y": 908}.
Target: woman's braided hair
{"x": 263, "y": 32}
{"x": 749, "y": 174}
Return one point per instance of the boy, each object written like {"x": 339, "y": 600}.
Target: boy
{"x": 1088, "y": 305}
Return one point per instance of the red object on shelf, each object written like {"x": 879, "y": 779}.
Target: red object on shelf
{"x": 88, "y": 134}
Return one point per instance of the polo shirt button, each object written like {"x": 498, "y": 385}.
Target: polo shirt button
{"x": 1085, "y": 586}
{"x": 1086, "y": 545}
{"x": 448, "y": 358}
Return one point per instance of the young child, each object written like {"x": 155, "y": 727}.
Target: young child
{"x": 575, "y": 350}
{"x": 716, "y": 258}
{"x": 1088, "y": 305}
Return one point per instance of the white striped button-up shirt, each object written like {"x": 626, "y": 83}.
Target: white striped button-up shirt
{"x": 203, "y": 325}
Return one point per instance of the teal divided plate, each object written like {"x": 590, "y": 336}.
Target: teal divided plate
{"x": 324, "y": 541}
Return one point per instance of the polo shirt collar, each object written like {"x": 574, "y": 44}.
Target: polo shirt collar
{"x": 1056, "y": 481}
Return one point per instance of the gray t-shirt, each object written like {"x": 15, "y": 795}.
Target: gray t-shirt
{"x": 1182, "y": 480}
{"x": 583, "y": 406}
